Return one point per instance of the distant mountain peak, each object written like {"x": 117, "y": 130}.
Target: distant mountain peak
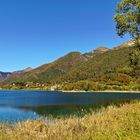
{"x": 99, "y": 50}
{"x": 125, "y": 45}
{"x": 4, "y": 75}
{"x": 22, "y": 71}
{"x": 27, "y": 69}
{"x": 73, "y": 53}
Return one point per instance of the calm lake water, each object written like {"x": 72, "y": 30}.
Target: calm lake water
{"x": 23, "y": 105}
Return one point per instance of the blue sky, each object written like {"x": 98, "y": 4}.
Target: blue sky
{"x": 34, "y": 32}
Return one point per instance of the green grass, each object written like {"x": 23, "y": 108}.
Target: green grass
{"x": 120, "y": 123}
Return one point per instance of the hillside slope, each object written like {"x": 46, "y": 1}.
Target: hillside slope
{"x": 100, "y": 65}
{"x": 48, "y": 72}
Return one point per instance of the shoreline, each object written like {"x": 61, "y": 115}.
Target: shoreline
{"x": 71, "y": 91}
{"x": 105, "y": 91}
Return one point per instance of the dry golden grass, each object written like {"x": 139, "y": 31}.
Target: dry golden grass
{"x": 112, "y": 123}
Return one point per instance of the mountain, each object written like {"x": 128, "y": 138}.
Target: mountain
{"x": 98, "y": 51}
{"x": 22, "y": 71}
{"x": 125, "y": 45}
{"x": 101, "y": 64}
{"x": 51, "y": 71}
{"x": 4, "y": 75}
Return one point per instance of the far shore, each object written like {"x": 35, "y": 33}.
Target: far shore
{"x": 76, "y": 91}
{"x": 107, "y": 91}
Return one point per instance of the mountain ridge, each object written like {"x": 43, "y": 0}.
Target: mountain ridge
{"x": 76, "y": 66}
{"x": 5, "y": 75}
{"x": 98, "y": 51}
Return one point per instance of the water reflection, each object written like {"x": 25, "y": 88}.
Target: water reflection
{"x": 15, "y": 114}
{"x": 56, "y": 111}
{"x": 10, "y": 114}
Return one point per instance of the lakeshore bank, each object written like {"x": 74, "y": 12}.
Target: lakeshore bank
{"x": 113, "y": 122}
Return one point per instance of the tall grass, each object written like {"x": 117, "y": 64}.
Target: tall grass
{"x": 108, "y": 124}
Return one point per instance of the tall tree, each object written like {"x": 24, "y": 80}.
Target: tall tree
{"x": 128, "y": 21}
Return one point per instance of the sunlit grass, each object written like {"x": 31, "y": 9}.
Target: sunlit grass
{"x": 108, "y": 123}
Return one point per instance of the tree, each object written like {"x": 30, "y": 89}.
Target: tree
{"x": 128, "y": 21}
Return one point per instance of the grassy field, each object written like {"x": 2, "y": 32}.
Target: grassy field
{"x": 122, "y": 123}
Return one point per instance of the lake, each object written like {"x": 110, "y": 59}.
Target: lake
{"x": 20, "y": 105}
